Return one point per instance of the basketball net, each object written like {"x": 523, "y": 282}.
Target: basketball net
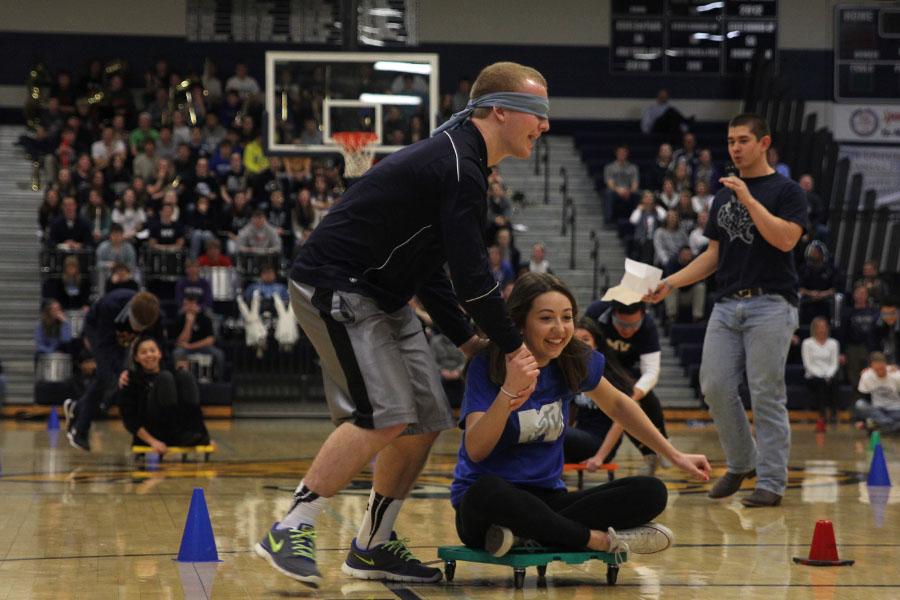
{"x": 357, "y": 150}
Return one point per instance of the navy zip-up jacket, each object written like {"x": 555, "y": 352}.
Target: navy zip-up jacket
{"x": 393, "y": 231}
{"x": 109, "y": 330}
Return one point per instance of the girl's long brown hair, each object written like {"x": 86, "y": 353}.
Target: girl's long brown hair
{"x": 573, "y": 361}
{"x": 50, "y": 325}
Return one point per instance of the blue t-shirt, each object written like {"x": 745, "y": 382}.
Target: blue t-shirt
{"x": 746, "y": 259}
{"x": 530, "y": 449}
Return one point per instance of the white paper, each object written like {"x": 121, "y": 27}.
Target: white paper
{"x": 639, "y": 280}
{"x": 640, "y": 277}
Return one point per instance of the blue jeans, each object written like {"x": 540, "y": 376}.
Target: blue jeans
{"x": 199, "y": 237}
{"x": 885, "y": 419}
{"x": 750, "y": 336}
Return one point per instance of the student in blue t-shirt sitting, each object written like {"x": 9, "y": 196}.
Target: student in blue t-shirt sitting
{"x": 508, "y": 479}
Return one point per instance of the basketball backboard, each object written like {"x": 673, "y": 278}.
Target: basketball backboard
{"x": 312, "y": 95}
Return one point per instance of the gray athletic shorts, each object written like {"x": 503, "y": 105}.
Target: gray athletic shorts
{"x": 377, "y": 367}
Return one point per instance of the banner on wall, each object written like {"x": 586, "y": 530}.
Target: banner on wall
{"x": 880, "y": 168}
{"x": 869, "y": 123}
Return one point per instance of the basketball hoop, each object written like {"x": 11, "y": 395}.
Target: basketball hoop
{"x": 356, "y": 148}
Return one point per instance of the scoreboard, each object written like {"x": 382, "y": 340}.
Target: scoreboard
{"x": 382, "y": 23}
{"x": 867, "y": 53}
{"x": 703, "y": 37}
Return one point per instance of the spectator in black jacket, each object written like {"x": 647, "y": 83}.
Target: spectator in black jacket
{"x": 69, "y": 230}
{"x": 508, "y": 250}
{"x": 818, "y": 212}
{"x": 886, "y": 332}
{"x": 659, "y": 170}
{"x": 192, "y": 333}
{"x": 819, "y": 282}
{"x": 203, "y": 223}
{"x": 857, "y": 322}
{"x": 71, "y": 290}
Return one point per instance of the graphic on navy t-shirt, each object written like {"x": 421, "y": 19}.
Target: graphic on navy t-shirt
{"x": 735, "y": 219}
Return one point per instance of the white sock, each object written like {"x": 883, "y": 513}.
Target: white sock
{"x": 307, "y": 506}
{"x": 377, "y": 525}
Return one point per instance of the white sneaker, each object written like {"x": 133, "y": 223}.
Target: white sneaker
{"x": 69, "y": 412}
{"x": 646, "y": 539}
{"x": 498, "y": 540}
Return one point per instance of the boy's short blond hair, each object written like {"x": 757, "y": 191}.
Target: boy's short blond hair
{"x": 877, "y": 357}
{"x": 502, "y": 77}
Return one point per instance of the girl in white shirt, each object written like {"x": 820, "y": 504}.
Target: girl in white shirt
{"x": 129, "y": 215}
{"x": 702, "y": 199}
{"x": 820, "y": 361}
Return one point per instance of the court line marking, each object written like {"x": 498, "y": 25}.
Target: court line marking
{"x": 425, "y": 547}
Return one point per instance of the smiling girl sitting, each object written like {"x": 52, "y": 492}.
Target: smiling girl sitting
{"x": 508, "y": 479}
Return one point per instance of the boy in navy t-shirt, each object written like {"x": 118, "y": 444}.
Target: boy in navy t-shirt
{"x": 508, "y": 478}
{"x": 754, "y": 224}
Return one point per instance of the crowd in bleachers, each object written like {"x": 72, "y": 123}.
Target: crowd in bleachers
{"x": 169, "y": 190}
{"x": 174, "y": 192}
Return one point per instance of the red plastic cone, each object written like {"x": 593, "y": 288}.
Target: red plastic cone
{"x": 823, "y": 549}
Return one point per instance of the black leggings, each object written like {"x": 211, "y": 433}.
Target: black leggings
{"x": 557, "y": 518}
{"x": 824, "y": 395}
{"x": 581, "y": 443}
{"x": 173, "y": 409}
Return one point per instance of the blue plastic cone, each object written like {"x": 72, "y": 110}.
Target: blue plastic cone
{"x": 53, "y": 420}
{"x": 878, "y": 472}
{"x": 198, "y": 544}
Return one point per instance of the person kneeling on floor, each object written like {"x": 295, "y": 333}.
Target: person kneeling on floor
{"x": 881, "y": 382}
{"x": 508, "y": 480}
{"x": 161, "y": 408}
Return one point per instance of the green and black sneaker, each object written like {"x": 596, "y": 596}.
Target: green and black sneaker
{"x": 292, "y": 552}
{"x": 390, "y": 561}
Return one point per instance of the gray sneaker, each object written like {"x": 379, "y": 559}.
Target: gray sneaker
{"x": 729, "y": 483}
{"x": 292, "y": 552}
{"x": 390, "y": 561}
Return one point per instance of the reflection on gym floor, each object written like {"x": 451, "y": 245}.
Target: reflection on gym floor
{"x": 105, "y": 526}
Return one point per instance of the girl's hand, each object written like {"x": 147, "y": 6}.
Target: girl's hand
{"x": 694, "y": 465}
{"x": 521, "y": 397}
{"x": 159, "y": 447}
{"x": 592, "y": 464}
{"x": 521, "y": 375}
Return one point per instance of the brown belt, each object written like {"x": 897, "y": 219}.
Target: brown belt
{"x": 748, "y": 293}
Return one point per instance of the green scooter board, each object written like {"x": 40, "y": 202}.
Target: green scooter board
{"x": 521, "y": 558}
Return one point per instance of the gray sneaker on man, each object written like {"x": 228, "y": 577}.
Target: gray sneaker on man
{"x": 389, "y": 561}
{"x": 292, "y": 552}
{"x": 761, "y": 498}
{"x": 729, "y": 483}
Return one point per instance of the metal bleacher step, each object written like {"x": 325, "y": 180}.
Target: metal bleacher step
{"x": 544, "y": 224}
{"x": 19, "y": 251}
